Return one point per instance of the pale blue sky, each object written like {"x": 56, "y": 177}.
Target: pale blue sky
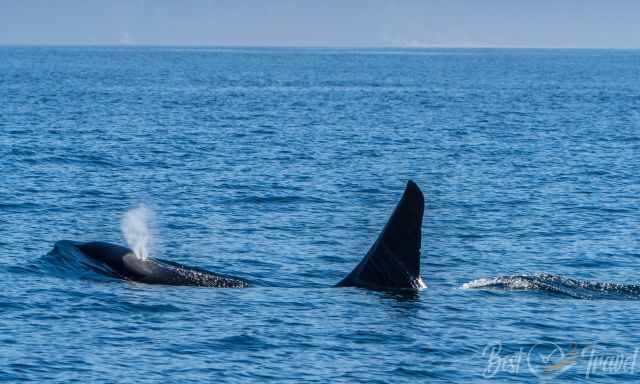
{"x": 475, "y": 23}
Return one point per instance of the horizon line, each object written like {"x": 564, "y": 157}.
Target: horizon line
{"x": 295, "y": 46}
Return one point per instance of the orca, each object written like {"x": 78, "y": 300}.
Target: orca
{"x": 392, "y": 262}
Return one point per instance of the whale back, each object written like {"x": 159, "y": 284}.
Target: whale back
{"x": 393, "y": 262}
{"x": 112, "y": 255}
{"x": 124, "y": 263}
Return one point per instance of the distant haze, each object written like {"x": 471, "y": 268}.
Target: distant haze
{"x": 374, "y": 23}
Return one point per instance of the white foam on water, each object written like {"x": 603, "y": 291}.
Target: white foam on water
{"x": 136, "y": 230}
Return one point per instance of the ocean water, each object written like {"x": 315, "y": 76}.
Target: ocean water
{"x": 281, "y": 166}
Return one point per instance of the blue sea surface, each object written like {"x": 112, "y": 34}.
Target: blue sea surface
{"x": 281, "y": 166}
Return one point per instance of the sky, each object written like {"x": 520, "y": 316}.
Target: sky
{"x": 324, "y": 23}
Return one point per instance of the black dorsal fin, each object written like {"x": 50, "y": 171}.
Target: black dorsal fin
{"x": 393, "y": 262}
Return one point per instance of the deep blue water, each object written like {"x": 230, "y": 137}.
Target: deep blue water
{"x": 281, "y": 166}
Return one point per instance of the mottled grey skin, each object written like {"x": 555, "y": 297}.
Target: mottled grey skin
{"x": 392, "y": 263}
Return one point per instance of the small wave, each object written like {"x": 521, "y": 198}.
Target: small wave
{"x": 581, "y": 289}
{"x": 17, "y": 206}
{"x": 277, "y": 199}
{"x": 65, "y": 261}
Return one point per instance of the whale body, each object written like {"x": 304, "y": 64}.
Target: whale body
{"x": 392, "y": 263}
{"x": 121, "y": 262}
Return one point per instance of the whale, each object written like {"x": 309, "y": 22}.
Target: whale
{"x": 392, "y": 262}
{"x": 121, "y": 262}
